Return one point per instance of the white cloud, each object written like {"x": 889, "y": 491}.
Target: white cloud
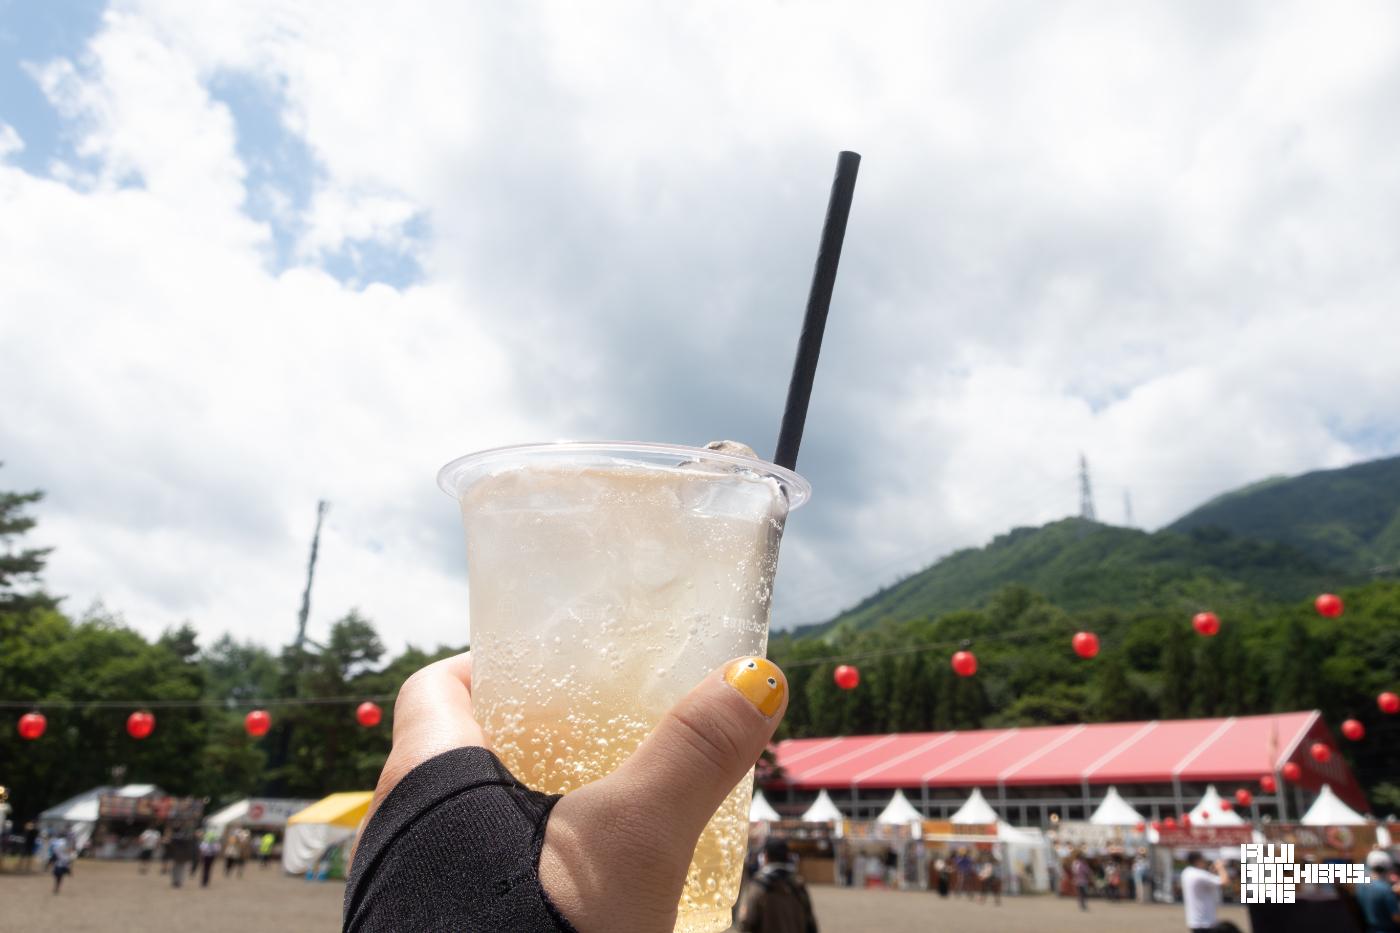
{"x": 1159, "y": 234}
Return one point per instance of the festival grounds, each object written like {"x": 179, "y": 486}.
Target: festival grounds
{"x": 111, "y": 896}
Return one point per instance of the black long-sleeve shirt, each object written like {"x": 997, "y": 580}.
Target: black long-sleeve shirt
{"x": 454, "y": 846}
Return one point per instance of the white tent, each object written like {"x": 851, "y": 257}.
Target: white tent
{"x": 823, "y": 810}
{"x": 899, "y": 812}
{"x": 1328, "y": 810}
{"x": 975, "y": 810}
{"x": 230, "y": 814}
{"x": 760, "y": 811}
{"x": 1115, "y": 811}
{"x": 268, "y": 812}
{"x": 1208, "y": 812}
{"x": 315, "y": 831}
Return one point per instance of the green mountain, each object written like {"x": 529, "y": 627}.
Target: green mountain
{"x": 1347, "y": 518}
{"x": 1276, "y": 541}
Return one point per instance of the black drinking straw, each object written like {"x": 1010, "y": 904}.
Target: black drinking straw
{"x": 809, "y": 344}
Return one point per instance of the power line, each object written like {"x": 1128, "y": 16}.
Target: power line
{"x": 261, "y": 703}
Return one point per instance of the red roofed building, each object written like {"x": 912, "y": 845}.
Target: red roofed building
{"x": 1160, "y": 767}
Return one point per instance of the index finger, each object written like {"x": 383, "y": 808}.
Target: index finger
{"x": 432, "y": 714}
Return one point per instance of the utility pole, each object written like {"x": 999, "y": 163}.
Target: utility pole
{"x": 1127, "y": 507}
{"x": 1086, "y": 492}
{"x": 305, "y": 613}
{"x": 292, "y": 671}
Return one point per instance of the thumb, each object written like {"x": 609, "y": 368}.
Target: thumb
{"x": 641, "y": 822}
{"x": 706, "y": 743}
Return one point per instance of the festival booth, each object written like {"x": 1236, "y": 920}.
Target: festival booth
{"x": 124, "y": 815}
{"x": 883, "y": 853}
{"x": 315, "y": 836}
{"x": 1109, "y": 848}
{"x": 258, "y": 815}
{"x": 107, "y": 820}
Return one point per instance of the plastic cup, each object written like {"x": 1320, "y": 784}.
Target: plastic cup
{"x": 607, "y": 579}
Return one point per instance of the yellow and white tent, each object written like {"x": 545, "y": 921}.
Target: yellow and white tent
{"x": 325, "y": 823}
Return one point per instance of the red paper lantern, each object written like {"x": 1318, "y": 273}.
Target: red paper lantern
{"x": 140, "y": 724}
{"x": 1354, "y": 730}
{"x": 1226, "y": 806}
{"x": 1205, "y": 815}
{"x": 1185, "y": 821}
{"x": 368, "y": 714}
{"x": 1267, "y": 784}
{"x": 1086, "y": 644}
{"x": 1206, "y": 623}
{"x": 1292, "y": 771}
{"x": 1169, "y": 823}
{"x": 257, "y": 723}
{"x": 1141, "y": 827}
{"x": 32, "y": 725}
{"x": 1244, "y": 798}
{"x": 1329, "y": 606}
{"x": 1320, "y": 753}
{"x": 1388, "y": 702}
{"x": 964, "y": 663}
{"x": 847, "y": 677}
{"x": 1157, "y": 825}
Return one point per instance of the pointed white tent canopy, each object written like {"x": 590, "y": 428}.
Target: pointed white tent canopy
{"x": 1328, "y": 810}
{"x": 1115, "y": 811}
{"x": 761, "y": 811}
{"x": 1208, "y": 812}
{"x": 899, "y": 812}
{"x": 823, "y": 810}
{"x": 976, "y": 810}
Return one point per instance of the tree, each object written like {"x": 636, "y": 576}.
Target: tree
{"x": 23, "y": 566}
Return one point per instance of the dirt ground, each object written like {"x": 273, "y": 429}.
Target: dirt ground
{"x": 111, "y": 896}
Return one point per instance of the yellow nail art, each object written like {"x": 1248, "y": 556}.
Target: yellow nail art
{"x": 760, "y": 681}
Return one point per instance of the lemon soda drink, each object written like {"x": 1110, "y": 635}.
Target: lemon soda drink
{"x": 606, "y": 581}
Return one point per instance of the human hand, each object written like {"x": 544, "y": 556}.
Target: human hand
{"x": 615, "y": 851}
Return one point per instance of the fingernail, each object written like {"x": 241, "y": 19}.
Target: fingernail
{"x": 760, "y": 681}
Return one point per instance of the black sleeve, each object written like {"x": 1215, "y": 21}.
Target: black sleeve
{"x": 455, "y": 846}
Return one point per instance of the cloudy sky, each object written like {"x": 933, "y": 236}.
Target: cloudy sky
{"x": 255, "y": 254}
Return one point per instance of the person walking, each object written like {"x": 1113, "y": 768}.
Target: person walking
{"x": 208, "y": 851}
{"x": 1082, "y": 876}
{"x": 777, "y": 900}
{"x": 989, "y": 879}
{"x": 60, "y": 860}
{"x": 1200, "y": 891}
{"x": 265, "y": 845}
{"x": 1377, "y": 898}
{"x": 31, "y": 842}
{"x": 233, "y": 853}
{"x": 147, "y": 842}
{"x": 1112, "y": 878}
{"x": 1141, "y": 866}
{"x": 180, "y": 843}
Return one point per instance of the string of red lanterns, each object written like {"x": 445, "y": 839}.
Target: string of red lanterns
{"x": 142, "y": 723}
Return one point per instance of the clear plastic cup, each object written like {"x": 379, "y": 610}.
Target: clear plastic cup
{"x": 607, "y": 579}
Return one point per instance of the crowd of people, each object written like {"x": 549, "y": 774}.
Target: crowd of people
{"x": 180, "y": 848}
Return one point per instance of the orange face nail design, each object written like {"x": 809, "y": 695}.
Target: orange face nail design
{"x": 760, "y": 681}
